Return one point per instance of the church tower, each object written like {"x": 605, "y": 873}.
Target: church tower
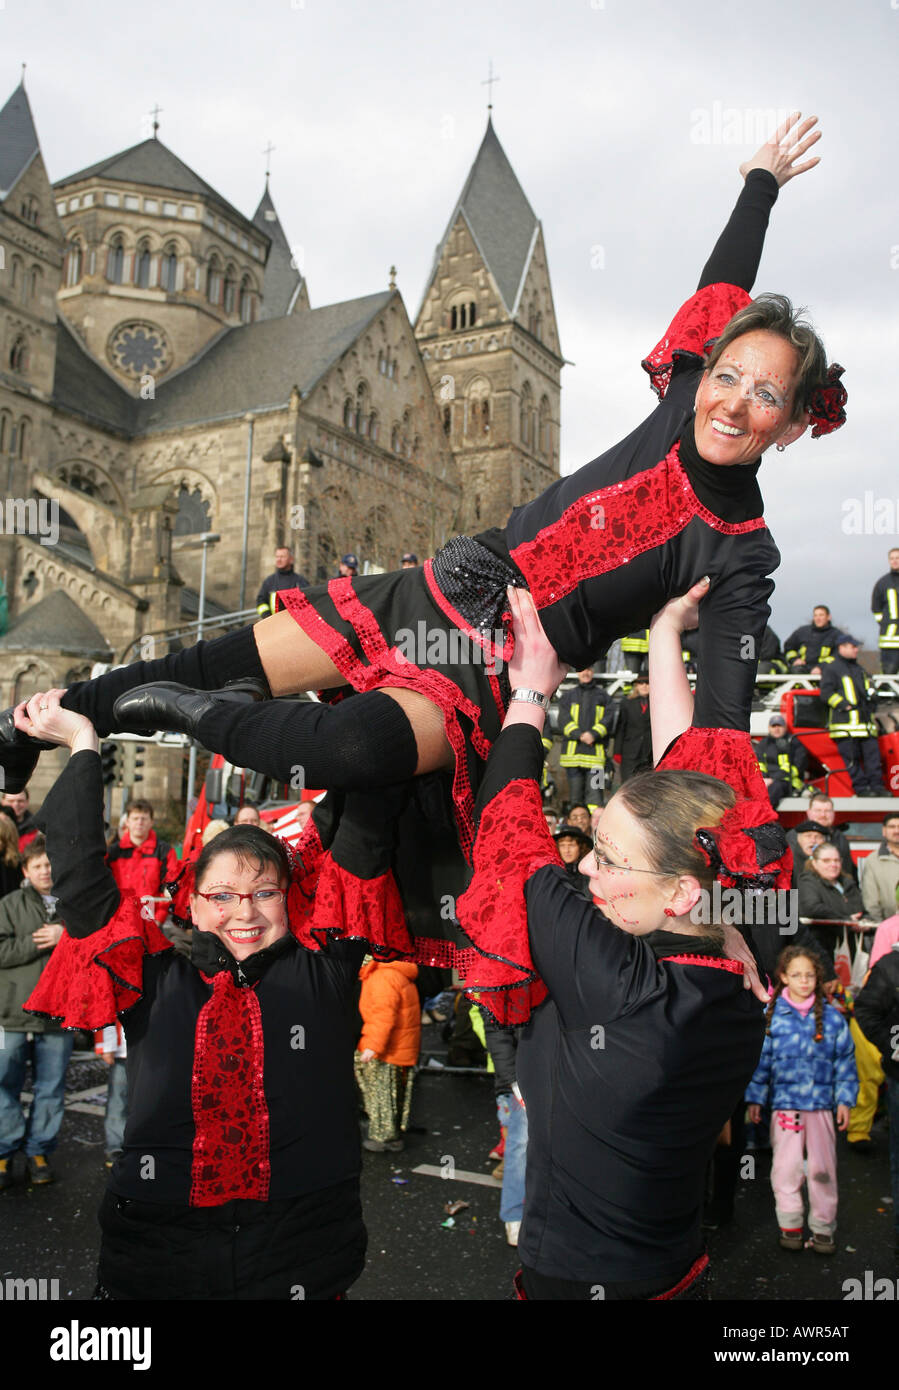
{"x": 488, "y": 335}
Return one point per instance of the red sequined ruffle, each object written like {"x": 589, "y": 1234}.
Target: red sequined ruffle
{"x": 231, "y": 1142}
{"x": 388, "y": 666}
{"x": 729, "y": 755}
{"x": 369, "y": 908}
{"x": 693, "y": 329}
{"x": 90, "y": 980}
{"x": 513, "y": 843}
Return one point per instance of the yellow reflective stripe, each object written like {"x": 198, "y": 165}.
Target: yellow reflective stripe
{"x": 893, "y": 602}
{"x": 571, "y": 726}
{"x": 849, "y": 694}
{"x": 835, "y": 699}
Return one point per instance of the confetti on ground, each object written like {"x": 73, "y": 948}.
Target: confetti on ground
{"x": 453, "y": 1208}
{"x": 448, "y": 1223}
{"x": 400, "y": 1182}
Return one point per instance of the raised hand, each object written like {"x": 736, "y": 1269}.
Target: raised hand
{"x": 788, "y": 143}
{"x": 682, "y": 613}
{"x": 44, "y": 718}
{"x": 534, "y": 662}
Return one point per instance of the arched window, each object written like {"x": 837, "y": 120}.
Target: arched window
{"x": 193, "y": 512}
{"x": 454, "y": 317}
{"x": 524, "y": 415}
{"x": 544, "y": 438}
{"x": 168, "y": 268}
{"x": 406, "y": 442}
{"x": 15, "y": 274}
{"x": 478, "y": 412}
{"x": 247, "y": 302}
{"x": 230, "y": 299}
{"x": 349, "y": 414}
{"x": 142, "y": 266}
{"x": 471, "y": 314}
{"x": 447, "y": 420}
{"x": 5, "y": 431}
{"x": 18, "y": 357}
{"x": 115, "y": 261}
{"x": 373, "y": 427}
{"x": 24, "y": 440}
{"x": 538, "y": 327}
{"x": 214, "y": 281}
{"x": 395, "y": 439}
{"x": 391, "y": 367}
{"x": 362, "y": 408}
{"x": 74, "y": 262}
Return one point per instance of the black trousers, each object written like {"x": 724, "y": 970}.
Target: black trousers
{"x": 862, "y": 759}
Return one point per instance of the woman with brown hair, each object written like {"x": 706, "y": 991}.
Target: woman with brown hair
{"x": 10, "y": 859}
{"x": 647, "y": 1037}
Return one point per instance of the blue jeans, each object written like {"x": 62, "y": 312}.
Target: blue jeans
{"x": 513, "y": 1116}
{"x": 893, "y": 1115}
{"x": 50, "y": 1058}
{"x": 116, "y": 1105}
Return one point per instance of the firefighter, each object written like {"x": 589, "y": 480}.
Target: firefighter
{"x": 885, "y": 607}
{"x": 808, "y": 646}
{"x": 584, "y": 731}
{"x": 634, "y": 649}
{"x": 848, "y": 693}
{"x": 782, "y": 761}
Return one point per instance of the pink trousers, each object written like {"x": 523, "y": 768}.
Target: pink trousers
{"x": 794, "y": 1132}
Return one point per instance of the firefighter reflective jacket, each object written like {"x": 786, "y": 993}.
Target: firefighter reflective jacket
{"x": 782, "y": 757}
{"x": 885, "y": 607}
{"x": 811, "y": 645}
{"x": 849, "y": 696}
{"x": 581, "y": 711}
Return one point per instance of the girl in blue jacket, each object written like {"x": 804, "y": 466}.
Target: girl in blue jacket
{"x": 806, "y": 1071}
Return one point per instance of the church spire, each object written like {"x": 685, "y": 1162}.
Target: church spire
{"x": 283, "y": 269}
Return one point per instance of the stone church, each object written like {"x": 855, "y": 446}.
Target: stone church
{"x": 164, "y": 374}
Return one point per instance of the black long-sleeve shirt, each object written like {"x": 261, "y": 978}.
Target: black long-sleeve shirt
{"x": 309, "y": 1090}
{"x": 629, "y": 1072}
{"x": 605, "y": 547}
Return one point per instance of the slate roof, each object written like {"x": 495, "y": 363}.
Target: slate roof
{"x": 82, "y": 387}
{"x": 154, "y": 163}
{"x": 501, "y": 219}
{"x": 256, "y": 365}
{"x": 282, "y": 280}
{"x": 18, "y": 140}
{"x": 56, "y": 623}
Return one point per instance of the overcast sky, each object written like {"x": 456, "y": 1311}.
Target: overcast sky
{"x": 625, "y": 121}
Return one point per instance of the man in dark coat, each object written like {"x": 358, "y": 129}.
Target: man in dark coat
{"x": 885, "y": 607}
{"x": 782, "y": 761}
{"x": 634, "y": 738}
{"x": 808, "y": 646}
{"x": 849, "y": 696}
{"x": 284, "y": 577}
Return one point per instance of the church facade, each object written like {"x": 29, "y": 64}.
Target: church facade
{"x": 163, "y": 375}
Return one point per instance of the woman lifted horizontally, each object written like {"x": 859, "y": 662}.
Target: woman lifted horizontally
{"x": 600, "y": 551}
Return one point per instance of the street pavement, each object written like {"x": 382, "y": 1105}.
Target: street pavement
{"x": 413, "y": 1254}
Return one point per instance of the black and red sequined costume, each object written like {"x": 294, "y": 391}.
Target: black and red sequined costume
{"x": 600, "y": 550}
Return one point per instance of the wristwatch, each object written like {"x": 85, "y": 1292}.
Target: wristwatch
{"x": 530, "y": 697}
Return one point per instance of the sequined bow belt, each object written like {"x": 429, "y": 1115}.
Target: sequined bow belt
{"x": 474, "y": 580}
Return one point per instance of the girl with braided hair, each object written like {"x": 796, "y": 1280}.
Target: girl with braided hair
{"x": 806, "y": 1071}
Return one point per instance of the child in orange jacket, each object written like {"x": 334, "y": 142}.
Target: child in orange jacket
{"x": 388, "y": 1049}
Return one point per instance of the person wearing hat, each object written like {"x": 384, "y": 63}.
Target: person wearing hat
{"x": 849, "y": 696}
{"x": 572, "y": 844}
{"x": 348, "y": 567}
{"x": 782, "y": 761}
{"x": 410, "y": 560}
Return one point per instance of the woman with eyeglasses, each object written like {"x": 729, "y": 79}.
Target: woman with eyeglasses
{"x": 648, "y": 1037}
{"x": 239, "y": 1177}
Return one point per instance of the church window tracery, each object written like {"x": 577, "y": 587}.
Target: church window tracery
{"x": 115, "y": 261}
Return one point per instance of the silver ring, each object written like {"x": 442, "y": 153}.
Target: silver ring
{"x": 40, "y": 707}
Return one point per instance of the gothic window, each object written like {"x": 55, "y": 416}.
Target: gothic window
{"x": 471, "y": 315}
{"x": 168, "y": 268}
{"x": 349, "y": 414}
{"x": 524, "y": 415}
{"x": 406, "y": 443}
{"x": 28, "y": 680}
{"x": 193, "y": 513}
{"x": 115, "y": 261}
{"x": 391, "y": 367}
{"x": 24, "y": 438}
{"x": 74, "y": 263}
{"x": 538, "y": 327}
{"x": 247, "y": 302}
{"x": 15, "y": 274}
{"x": 361, "y": 421}
{"x": 373, "y": 427}
{"x": 395, "y": 439}
{"x": 447, "y": 420}
{"x": 479, "y": 407}
{"x": 230, "y": 290}
{"x": 18, "y": 357}
{"x": 454, "y": 317}
{"x": 214, "y": 281}
{"x": 544, "y": 438}
{"x": 34, "y": 282}
{"x": 142, "y": 266}
{"x": 416, "y": 448}
{"x": 5, "y": 432}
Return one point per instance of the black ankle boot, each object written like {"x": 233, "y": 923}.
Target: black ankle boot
{"x": 18, "y": 754}
{"x": 177, "y": 707}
